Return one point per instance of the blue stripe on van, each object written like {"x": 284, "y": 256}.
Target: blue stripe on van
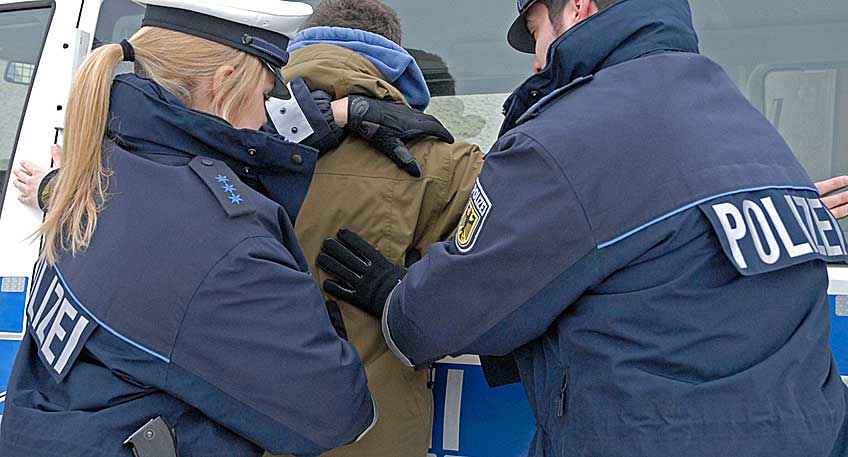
{"x": 12, "y": 301}
{"x": 8, "y": 350}
{"x": 839, "y": 332}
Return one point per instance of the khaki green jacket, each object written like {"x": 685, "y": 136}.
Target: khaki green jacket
{"x": 358, "y": 188}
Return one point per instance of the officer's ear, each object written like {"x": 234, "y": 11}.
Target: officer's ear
{"x": 575, "y": 12}
{"x": 222, "y": 74}
{"x": 204, "y": 98}
{"x": 583, "y": 9}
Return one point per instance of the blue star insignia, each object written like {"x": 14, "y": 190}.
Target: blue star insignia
{"x": 222, "y": 179}
{"x": 229, "y": 188}
{"x": 236, "y": 199}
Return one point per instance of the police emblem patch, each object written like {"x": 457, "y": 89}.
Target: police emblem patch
{"x": 478, "y": 208}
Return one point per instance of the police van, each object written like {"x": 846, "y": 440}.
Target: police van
{"x": 790, "y": 61}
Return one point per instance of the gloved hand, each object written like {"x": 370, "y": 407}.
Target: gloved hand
{"x": 365, "y": 278}
{"x": 336, "y": 319}
{"x": 387, "y": 125}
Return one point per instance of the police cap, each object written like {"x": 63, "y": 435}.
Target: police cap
{"x": 519, "y": 36}
{"x": 258, "y": 27}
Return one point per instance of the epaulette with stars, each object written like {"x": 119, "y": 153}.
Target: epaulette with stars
{"x": 227, "y": 189}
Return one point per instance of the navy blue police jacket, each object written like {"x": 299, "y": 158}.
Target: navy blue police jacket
{"x": 648, "y": 247}
{"x": 193, "y": 302}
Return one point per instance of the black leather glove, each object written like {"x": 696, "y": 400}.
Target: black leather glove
{"x": 336, "y": 319}
{"x": 387, "y": 125}
{"x": 364, "y": 277}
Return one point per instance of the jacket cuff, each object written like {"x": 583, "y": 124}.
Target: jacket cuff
{"x": 324, "y": 102}
{"x": 373, "y": 421}
{"x": 387, "y": 334}
{"x": 316, "y": 107}
{"x": 45, "y": 189}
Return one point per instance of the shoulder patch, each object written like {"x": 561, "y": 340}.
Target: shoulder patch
{"x": 288, "y": 118}
{"x": 224, "y": 185}
{"x": 773, "y": 229}
{"x": 475, "y": 214}
{"x": 57, "y": 322}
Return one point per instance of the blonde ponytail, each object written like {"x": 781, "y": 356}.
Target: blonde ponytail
{"x": 176, "y": 61}
{"x": 80, "y": 189}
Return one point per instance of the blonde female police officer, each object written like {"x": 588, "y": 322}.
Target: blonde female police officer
{"x": 167, "y": 287}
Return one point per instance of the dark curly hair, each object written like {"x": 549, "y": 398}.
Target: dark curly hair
{"x": 370, "y": 15}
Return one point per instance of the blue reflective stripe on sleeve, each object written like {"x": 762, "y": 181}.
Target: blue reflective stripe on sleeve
{"x": 694, "y": 204}
{"x": 8, "y": 351}
{"x": 106, "y": 327}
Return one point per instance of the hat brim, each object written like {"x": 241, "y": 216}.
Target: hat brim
{"x": 519, "y": 36}
{"x": 265, "y": 44}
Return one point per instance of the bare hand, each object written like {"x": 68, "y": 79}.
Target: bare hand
{"x": 837, "y": 203}
{"x": 56, "y": 153}
{"x": 340, "y": 112}
{"x": 28, "y": 178}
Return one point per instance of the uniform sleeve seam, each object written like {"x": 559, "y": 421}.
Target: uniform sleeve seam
{"x": 567, "y": 180}
{"x": 200, "y": 285}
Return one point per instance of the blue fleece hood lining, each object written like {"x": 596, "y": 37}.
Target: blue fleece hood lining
{"x": 394, "y": 62}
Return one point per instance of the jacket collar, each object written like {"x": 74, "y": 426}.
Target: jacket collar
{"x": 623, "y": 32}
{"x": 145, "y": 117}
{"x": 395, "y": 64}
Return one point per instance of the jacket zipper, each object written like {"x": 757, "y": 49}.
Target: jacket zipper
{"x": 562, "y": 392}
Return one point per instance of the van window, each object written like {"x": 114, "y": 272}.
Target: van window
{"x": 118, "y": 20}
{"x": 790, "y": 62}
{"x": 23, "y": 29}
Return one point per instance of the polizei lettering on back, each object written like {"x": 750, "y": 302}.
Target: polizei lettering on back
{"x": 57, "y": 323}
{"x": 766, "y": 231}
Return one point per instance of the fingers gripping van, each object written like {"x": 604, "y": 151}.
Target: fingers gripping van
{"x": 790, "y": 62}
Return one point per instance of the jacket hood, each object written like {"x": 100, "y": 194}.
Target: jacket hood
{"x": 623, "y": 32}
{"x": 145, "y": 117}
{"x": 394, "y": 63}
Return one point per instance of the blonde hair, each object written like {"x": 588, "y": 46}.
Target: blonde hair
{"x": 176, "y": 61}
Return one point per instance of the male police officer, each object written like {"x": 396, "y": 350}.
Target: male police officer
{"x": 645, "y": 243}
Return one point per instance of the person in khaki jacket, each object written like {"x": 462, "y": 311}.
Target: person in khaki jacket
{"x": 401, "y": 214}
{"x": 351, "y": 47}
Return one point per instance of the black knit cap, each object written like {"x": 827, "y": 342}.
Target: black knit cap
{"x": 268, "y": 46}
